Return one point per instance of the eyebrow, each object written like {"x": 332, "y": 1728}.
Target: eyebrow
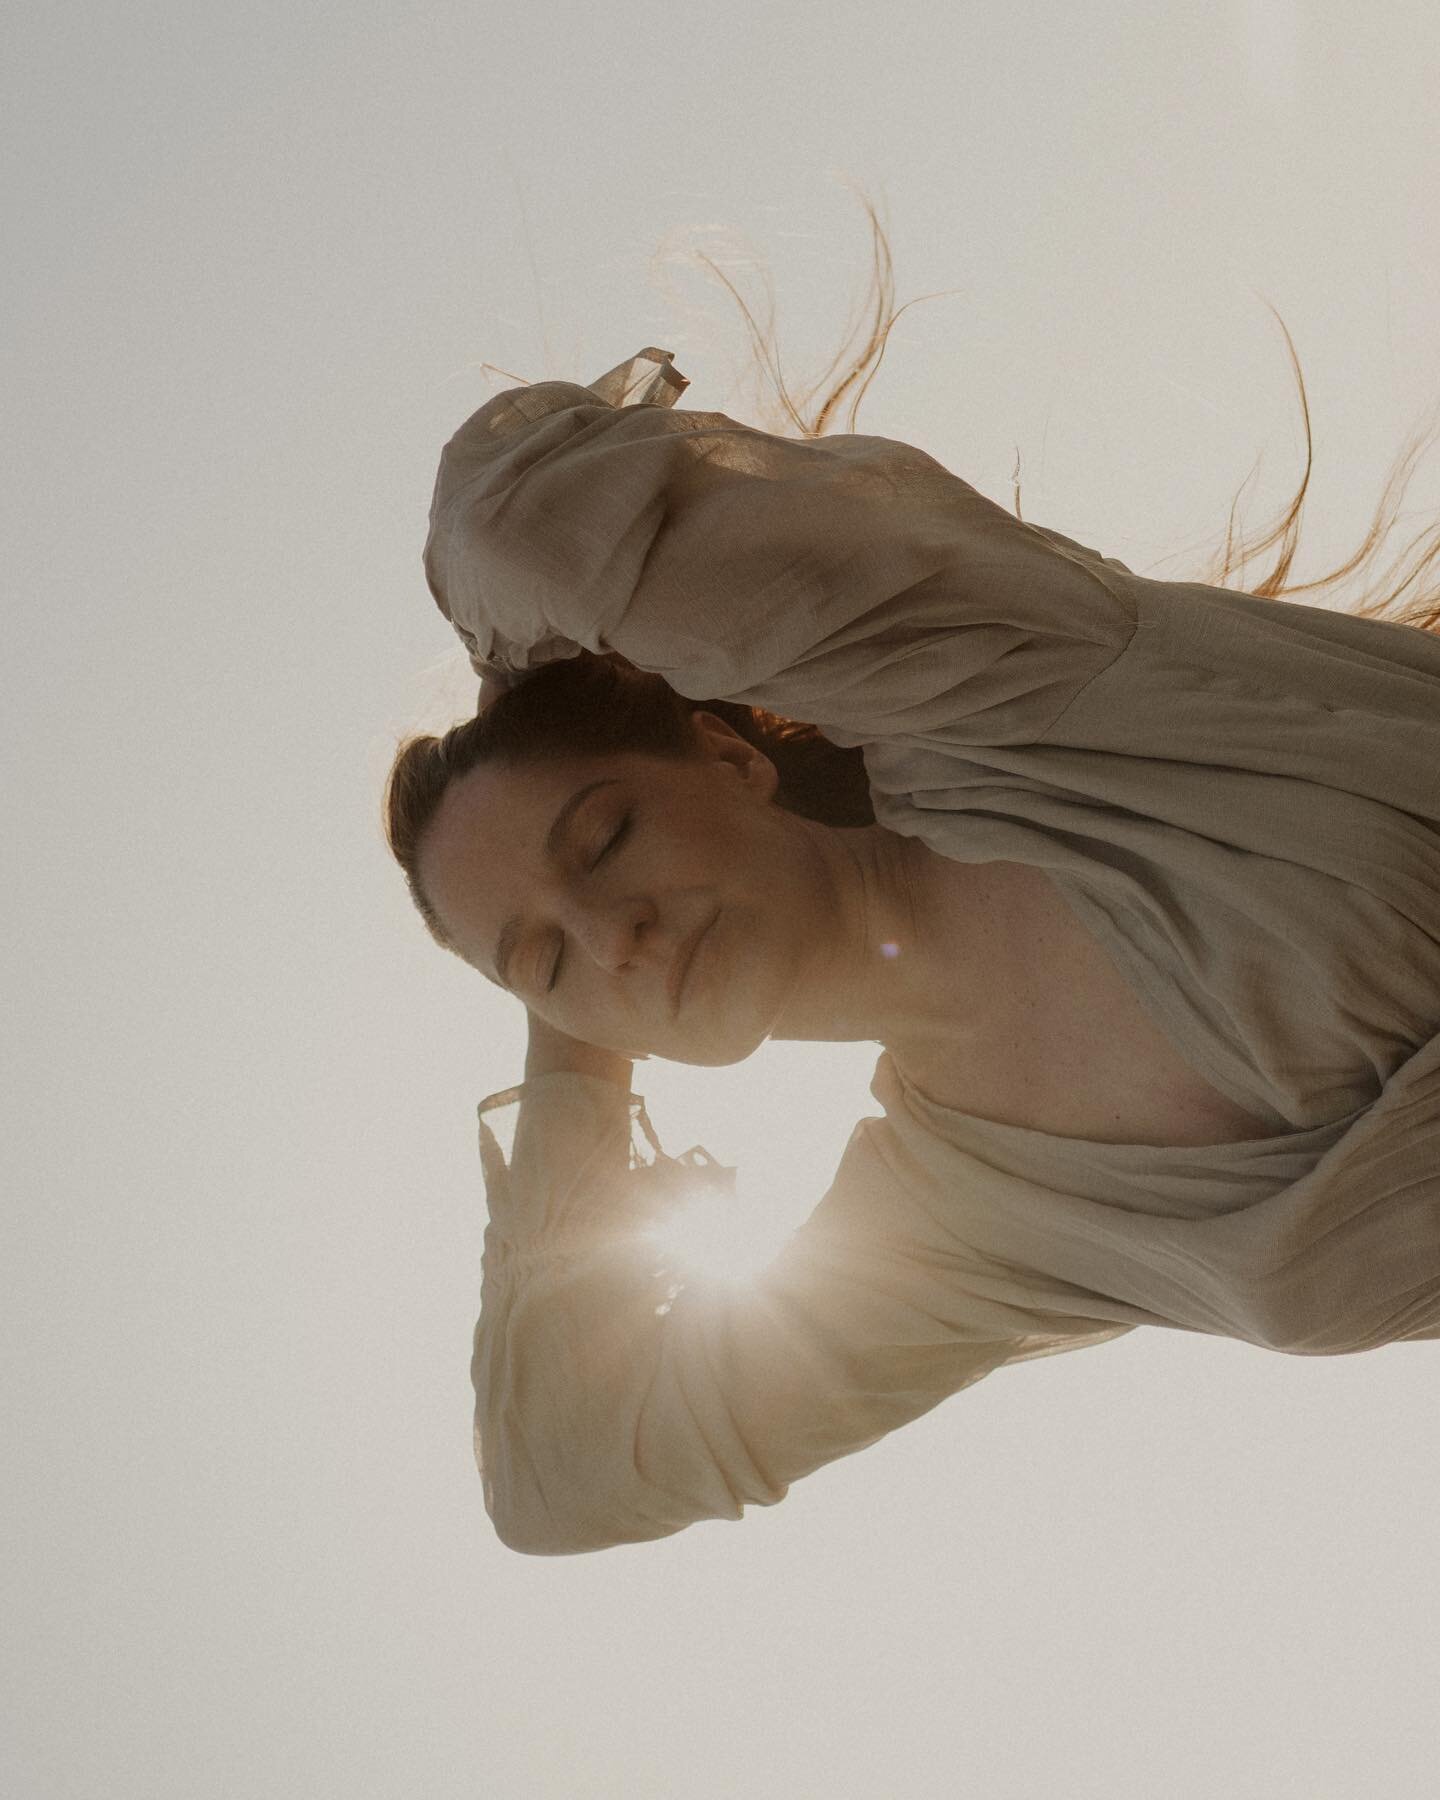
{"x": 510, "y": 930}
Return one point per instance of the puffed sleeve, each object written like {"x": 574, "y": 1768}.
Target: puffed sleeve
{"x": 621, "y": 1396}
{"x": 850, "y": 580}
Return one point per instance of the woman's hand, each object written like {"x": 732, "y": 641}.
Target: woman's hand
{"x": 490, "y": 690}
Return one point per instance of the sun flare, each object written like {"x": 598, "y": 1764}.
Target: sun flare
{"x": 717, "y": 1236}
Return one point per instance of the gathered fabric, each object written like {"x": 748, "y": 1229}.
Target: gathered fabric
{"x": 1238, "y": 797}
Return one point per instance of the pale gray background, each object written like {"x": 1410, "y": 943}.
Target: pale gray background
{"x": 255, "y": 257}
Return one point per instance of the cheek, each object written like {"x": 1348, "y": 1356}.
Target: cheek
{"x": 737, "y": 851}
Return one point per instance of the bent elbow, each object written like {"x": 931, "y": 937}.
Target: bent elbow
{"x": 1289, "y": 1324}
{"x": 575, "y": 1516}
{"x": 536, "y": 1529}
{"x": 519, "y": 1530}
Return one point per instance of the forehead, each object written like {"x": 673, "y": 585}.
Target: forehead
{"x": 499, "y": 808}
{"x": 494, "y": 810}
{"x": 485, "y": 849}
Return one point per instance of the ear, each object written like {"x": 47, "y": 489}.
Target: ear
{"x": 725, "y": 745}
{"x": 711, "y": 726}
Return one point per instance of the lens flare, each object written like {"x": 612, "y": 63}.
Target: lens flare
{"x": 710, "y": 1235}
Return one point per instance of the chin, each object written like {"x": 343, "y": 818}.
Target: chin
{"x": 714, "y": 1059}
{"x": 721, "y": 1051}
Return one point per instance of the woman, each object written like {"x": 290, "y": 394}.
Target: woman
{"x": 1137, "y": 884}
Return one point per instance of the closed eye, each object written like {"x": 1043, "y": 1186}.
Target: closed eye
{"x": 614, "y": 840}
{"x": 610, "y": 844}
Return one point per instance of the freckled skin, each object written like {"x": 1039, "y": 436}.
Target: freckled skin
{"x": 818, "y": 930}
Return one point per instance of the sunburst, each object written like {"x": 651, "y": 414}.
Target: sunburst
{"x": 712, "y": 1235}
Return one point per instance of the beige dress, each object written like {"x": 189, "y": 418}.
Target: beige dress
{"x": 1241, "y": 799}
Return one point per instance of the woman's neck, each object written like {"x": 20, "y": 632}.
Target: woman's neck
{"x": 911, "y": 948}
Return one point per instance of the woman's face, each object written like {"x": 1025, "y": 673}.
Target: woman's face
{"x": 581, "y": 884}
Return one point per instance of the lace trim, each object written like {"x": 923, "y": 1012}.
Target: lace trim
{"x": 646, "y": 1150}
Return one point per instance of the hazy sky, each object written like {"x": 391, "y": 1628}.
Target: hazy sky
{"x": 255, "y": 257}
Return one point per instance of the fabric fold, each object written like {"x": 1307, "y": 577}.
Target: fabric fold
{"x": 1238, "y": 798}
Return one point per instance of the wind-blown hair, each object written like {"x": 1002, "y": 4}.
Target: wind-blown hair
{"x": 592, "y": 705}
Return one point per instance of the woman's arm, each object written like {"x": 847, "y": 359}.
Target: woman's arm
{"x": 622, "y": 1395}
{"x": 852, "y": 581}
{"x": 552, "y": 1052}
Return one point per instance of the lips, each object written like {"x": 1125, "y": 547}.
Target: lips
{"x": 681, "y": 965}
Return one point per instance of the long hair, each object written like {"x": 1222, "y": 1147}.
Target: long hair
{"x": 590, "y": 705}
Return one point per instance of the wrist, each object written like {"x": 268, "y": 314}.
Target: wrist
{"x": 551, "y": 1051}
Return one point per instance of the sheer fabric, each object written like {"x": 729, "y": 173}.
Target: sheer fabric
{"x": 1240, "y": 798}
{"x": 621, "y": 1396}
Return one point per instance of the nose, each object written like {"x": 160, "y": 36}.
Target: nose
{"x": 614, "y": 935}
